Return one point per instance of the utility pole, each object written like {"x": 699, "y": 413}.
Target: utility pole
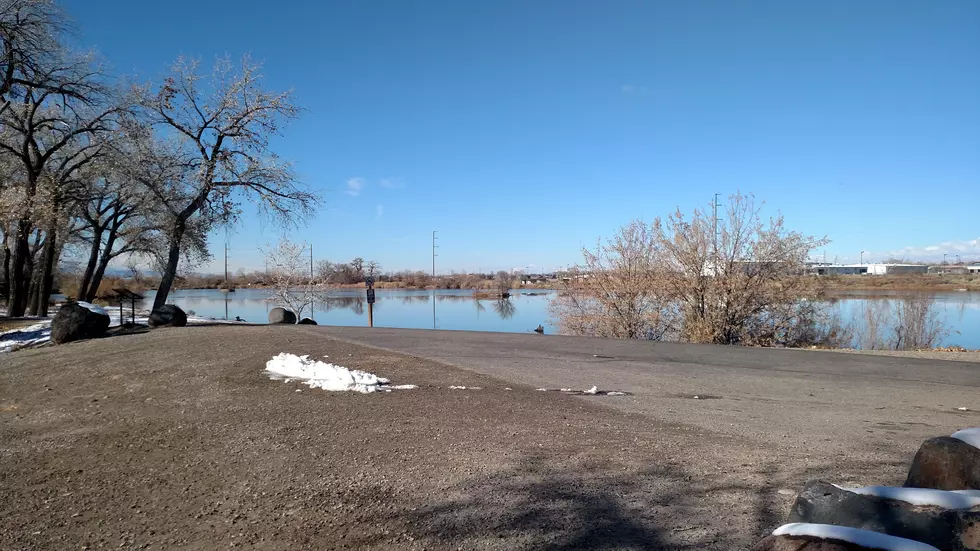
{"x": 226, "y": 265}
{"x": 434, "y": 246}
{"x": 311, "y": 261}
{"x": 714, "y": 226}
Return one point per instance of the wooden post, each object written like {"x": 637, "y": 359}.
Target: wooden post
{"x": 370, "y": 315}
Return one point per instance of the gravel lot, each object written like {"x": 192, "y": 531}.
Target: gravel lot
{"x": 175, "y": 439}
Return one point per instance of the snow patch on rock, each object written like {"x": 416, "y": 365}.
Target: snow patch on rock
{"x": 971, "y": 436}
{"x": 864, "y": 538}
{"x": 925, "y": 497}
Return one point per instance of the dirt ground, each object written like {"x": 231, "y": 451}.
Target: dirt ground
{"x": 175, "y": 439}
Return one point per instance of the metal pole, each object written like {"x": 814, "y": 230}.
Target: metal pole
{"x": 226, "y": 265}
{"x": 370, "y": 315}
{"x": 433, "y": 253}
{"x": 311, "y": 261}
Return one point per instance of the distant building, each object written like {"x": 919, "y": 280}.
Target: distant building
{"x": 974, "y": 269}
{"x": 869, "y": 269}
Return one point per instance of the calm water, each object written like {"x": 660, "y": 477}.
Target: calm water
{"x": 960, "y": 311}
{"x": 521, "y": 314}
{"x": 411, "y": 309}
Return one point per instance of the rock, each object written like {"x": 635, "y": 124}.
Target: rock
{"x": 167, "y": 315}
{"x": 947, "y": 529}
{"x": 307, "y": 321}
{"x": 807, "y": 543}
{"x": 803, "y": 543}
{"x": 281, "y": 315}
{"x": 78, "y": 320}
{"x": 945, "y": 463}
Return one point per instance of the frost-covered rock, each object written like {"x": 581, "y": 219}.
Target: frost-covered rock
{"x": 167, "y": 315}
{"x": 823, "y": 537}
{"x": 77, "y": 321}
{"x": 945, "y": 463}
{"x": 281, "y": 315}
{"x": 946, "y": 520}
{"x": 307, "y": 321}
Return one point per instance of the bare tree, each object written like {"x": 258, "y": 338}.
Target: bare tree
{"x": 737, "y": 281}
{"x": 372, "y": 268}
{"x": 917, "y": 324}
{"x": 221, "y": 131}
{"x": 52, "y": 132}
{"x": 292, "y": 284}
{"x": 617, "y": 293}
{"x": 503, "y": 282}
{"x": 30, "y": 32}
{"x": 117, "y": 216}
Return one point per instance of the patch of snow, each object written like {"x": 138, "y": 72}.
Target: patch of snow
{"x": 457, "y": 387}
{"x": 593, "y": 390}
{"x": 542, "y": 389}
{"x": 26, "y": 337}
{"x": 402, "y": 387}
{"x": 963, "y": 409}
{"x": 864, "y": 538}
{"x": 956, "y": 499}
{"x": 93, "y": 308}
{"x": 971, "y": 436}
{"x": 566, "y": 390}
{"x": 508, "y": 388}
{"x": 317, "y": 374}
{"x": 615, "y": 393}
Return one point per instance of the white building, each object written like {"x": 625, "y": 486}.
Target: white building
{"x": 870, "y": 269}
{"x": 974, "y": 269}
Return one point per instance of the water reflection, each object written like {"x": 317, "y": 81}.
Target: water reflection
{"x": 520, "y": 314}
{"x": 504, "y": 308}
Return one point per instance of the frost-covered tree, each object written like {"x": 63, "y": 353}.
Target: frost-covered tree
{"x": 221, "y": 125}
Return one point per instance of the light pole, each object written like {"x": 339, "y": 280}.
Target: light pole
{"x": 862, "y": 256}
{"x": 944, "y": 259}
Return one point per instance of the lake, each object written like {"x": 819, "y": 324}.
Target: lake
{"x": 526, "y": 309}
{"x": 411, "y": 309}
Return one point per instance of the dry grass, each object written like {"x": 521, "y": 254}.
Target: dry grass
{"x": 928, "y": 282}
{"x": 10, "y": 324}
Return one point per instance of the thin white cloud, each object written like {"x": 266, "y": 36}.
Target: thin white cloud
{"x": 633, "y": 89}
{"x": 392, "y": 183}
{"x": 967, "y": 250}
{"x": 379, "y": 211}
{"x": 355, "y": 186}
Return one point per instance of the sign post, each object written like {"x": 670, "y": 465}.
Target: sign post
{"x": 369, "y": 281}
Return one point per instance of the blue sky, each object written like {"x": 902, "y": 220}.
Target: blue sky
{"x": 524, "y": 130}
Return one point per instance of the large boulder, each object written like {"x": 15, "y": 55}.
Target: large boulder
{"x": 946, "y": 520}
{"x": 167, "y": 315}
{"x": 281, "y": 315}
{"x": 307, "y": 321}
{"x": 809, "y": 543}
{"x": 945, "y": 463}
{"x": 78, "y": 320}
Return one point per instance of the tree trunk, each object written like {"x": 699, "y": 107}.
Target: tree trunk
{"x": 33, "y": 292}
{"x": 93, "y": 259}
{"x": 5, "y": 284}
{"x": 17, "y": 304}
{"x": 170, "y": 271}
{"x": 93, "y": 289}
{"x": 47, "y": 270}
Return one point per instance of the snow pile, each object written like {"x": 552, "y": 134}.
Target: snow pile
{"x": 925, "y": 497}
{"x": 457, "y": 387}
{"x": 93, "y": 308}
{"x": 317, "y": 374}
{"x": 864, "y": 538}
{"x": 26, "y": 337}
{"x": 971, "y": 436}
